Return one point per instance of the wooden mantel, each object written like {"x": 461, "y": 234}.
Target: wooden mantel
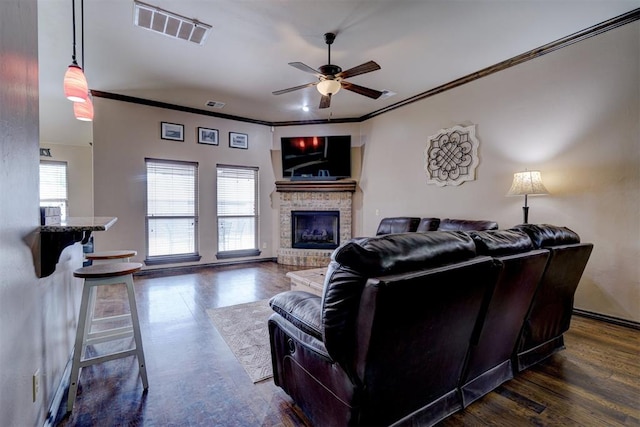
{"x": 316, "y": 186}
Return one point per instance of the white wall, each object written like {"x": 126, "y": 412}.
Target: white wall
{"x": 124, "y": 134}
{"x": 572, "y": 114}
{"x": 37, "y": 316}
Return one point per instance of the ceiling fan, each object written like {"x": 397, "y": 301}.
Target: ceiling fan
{"x": 331, "y": 77}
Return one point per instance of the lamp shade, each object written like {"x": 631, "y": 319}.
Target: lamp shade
{"x": 75, "y": 84}
{"x": 527, "y": 182}
{"x": 328, "y": 87}
{"x": 84, "y": 110}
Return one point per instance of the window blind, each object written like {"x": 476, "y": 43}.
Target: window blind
{"x": 53, "y": 185}
{"x": 172, "y": 208}
{"x": 237, "y": 209}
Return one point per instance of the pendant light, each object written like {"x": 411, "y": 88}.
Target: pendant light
{"x": 75, "y": 84}
{"x": 84, "y": 110}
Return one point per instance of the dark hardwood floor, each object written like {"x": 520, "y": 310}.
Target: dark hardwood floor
{"x": 195, "y": 380}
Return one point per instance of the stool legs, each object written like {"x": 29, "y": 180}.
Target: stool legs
{"x": 84, "y": 335}
{"x": 136, "y": 334}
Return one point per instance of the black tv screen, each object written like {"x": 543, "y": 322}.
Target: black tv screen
{"x": 316, "y": 157}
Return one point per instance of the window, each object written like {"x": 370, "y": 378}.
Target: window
{"x": 237, "y": 211}
{"x": 172, "y": 211}
{"x": 53, "y": 186}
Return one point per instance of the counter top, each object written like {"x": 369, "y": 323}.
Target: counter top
{"x": 98, "y": 223}
{"x": 55, "y": 237}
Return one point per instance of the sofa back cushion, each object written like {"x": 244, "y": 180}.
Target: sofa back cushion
{"x": 501, "y": 242}
{"x": 397, "y": 225}
{"x": 353, "y": 263}
{"x": 428, "y": 224}
{"x": 449, "y": 224}
{"x": 546, "y": 235}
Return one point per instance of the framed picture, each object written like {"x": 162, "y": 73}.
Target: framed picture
{"x": 207, "y": 136}
{"x": 172, "y": 131}
{"x": 238, "y": 140}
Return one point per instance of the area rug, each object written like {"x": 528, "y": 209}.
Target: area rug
{"x": 244, "y": 329}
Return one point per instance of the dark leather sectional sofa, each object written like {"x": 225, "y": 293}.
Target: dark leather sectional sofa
{"x": 404, "y": 224}
{"x": 413, "y": 327}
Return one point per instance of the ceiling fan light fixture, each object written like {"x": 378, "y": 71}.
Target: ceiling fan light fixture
{"x": 328, "y": 87}
{"x": 75, "y": 84}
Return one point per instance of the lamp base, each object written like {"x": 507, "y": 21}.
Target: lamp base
{"x": 525, "y": 213}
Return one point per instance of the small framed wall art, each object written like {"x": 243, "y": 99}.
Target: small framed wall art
{"x": 207, "y": 136}
{"x": 172, "y": 131}
{"x": 238, "y": 140}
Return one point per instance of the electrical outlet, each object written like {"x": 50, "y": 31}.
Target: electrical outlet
{"x": 377, "y": 212}
{"x": 35, "y": 384}
{"x": 264, "y": 245}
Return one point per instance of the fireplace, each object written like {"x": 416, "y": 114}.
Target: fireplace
{"x": 315, "y": 229}
{"x": 318, "y": 196}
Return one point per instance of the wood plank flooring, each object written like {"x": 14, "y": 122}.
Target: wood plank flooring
{"x": 195, "y": 380}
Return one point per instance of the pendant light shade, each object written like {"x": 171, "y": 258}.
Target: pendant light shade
{"x": 75, "y": 84}
{"x": 84, "y": 110}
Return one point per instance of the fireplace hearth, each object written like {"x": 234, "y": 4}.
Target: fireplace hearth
{"x": 315, "y": 229}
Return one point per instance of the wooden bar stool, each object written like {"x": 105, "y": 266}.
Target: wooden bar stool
{"x": 102, "y": 275}
{"x": 104, "y": 257}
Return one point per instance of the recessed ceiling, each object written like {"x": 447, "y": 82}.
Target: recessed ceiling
{"x": 419, "y": 45}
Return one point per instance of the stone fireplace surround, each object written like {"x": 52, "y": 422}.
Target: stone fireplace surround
{"x": 312, "y": 196}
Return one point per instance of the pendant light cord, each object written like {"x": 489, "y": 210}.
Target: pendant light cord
{"x": 73, "y": 17}
{"x": 82, "y": 33}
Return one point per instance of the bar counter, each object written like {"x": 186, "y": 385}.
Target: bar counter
{"x": 55, "y": 237}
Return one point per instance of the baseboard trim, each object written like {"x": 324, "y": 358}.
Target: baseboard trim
{"x": 608, "y": 319}
{"x": 63, "y": 386}
{"x": 183, "y": 269}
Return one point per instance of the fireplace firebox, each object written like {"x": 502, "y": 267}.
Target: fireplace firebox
{"x": 315, "y": 229}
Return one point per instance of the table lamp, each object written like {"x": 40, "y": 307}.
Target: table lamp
{"x": 524, "y": 184}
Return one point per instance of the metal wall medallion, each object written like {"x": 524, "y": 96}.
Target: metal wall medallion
{"x": 451, "y": 156}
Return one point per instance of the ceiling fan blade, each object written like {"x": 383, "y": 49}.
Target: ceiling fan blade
{"x": 325, "y": 101}
{"x": 371, "y": 93}
{"x": 367, "y": 67}
{"x": 291, "y": 89}
{"x": 304, "y": 67}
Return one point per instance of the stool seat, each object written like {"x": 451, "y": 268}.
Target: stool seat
{"x": 107, "y": 270}
{"x": 110, "y": 255}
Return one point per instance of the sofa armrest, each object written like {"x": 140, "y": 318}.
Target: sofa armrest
{"x": 301, "y": 309}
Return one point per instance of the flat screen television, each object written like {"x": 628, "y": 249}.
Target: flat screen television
{"x": 316, "y": 157}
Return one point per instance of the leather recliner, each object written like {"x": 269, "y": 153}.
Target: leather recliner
{"x": 489, "y": 362}
{"x": 388, "y": 340}
{"x": 549, "y": 315}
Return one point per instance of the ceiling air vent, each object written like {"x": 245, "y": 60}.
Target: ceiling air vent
{"x": 170, "y": 24}
{"x": 215, "y": 104}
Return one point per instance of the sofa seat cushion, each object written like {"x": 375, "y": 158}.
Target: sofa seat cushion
{"x": 501, "y": 242}
{"x": 545, "y": 235}
{"x": 300, "y": 308}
